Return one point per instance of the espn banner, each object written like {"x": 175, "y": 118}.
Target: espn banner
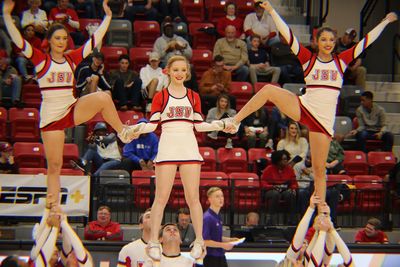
{"x": 25, "y": 195}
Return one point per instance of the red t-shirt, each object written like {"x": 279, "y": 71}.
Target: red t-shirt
{"x": 94, "y": 231}
{"x": 362, "y": 237}
{"x": 273, "y": 176}
{"x": 222, "y": 23}
{"x": 58, "y": 15}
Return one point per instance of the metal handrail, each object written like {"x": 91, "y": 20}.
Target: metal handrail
{"x": 395, "y": 54}
{"x": 365, "y": 14}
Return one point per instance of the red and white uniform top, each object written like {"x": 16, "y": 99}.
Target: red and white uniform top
{"x": 324, "y": 79}
{"x": 133, "y": 254}
{"x": 56, "y": 79}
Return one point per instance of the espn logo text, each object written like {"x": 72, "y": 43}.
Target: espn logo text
{"x": 27, "y": 194}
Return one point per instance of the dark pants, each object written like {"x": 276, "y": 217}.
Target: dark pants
{"x": 128, "y": 94}
{"x": 363, "y": 136}
{"x": 291, "y": 74}
{"x": 78, "y": 37}
{"x": 172, "y": 9}
{"x": 212, "y": 261}
{"x": 132, "y": 11}
{"x": 100, "y": 163}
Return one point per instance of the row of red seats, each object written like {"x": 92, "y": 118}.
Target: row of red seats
{"x": 367, "y": 197}
{"x": 24, "y": 123}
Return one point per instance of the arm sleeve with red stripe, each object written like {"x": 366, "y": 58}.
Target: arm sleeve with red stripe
{"x": 342, "y": 248}
{"x": 318, "y": 250}
{"x": 298, "y": 238}
{"x": 299, "y": 50}
{"x": 76, "y": 243}
{"x": 350, "y": 54}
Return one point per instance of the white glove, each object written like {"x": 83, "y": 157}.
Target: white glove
{"x": 219, "y": 125}
{"x": 231, "y": 126}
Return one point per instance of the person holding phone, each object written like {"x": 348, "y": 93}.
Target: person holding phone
{"x": 91, "y": 77}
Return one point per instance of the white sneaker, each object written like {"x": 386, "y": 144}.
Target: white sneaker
{"x": 129, "y": 132}
{"x": 229, "y": 144}
{"x": 148, "y": 107}
{"x": 154, "y": 250}
{"x": 213, "y": 135}
{"x": 197, "y": 249}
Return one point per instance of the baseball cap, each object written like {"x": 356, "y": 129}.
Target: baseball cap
{"x": 257, "y": 3}
{"x": 351, "y": 31}
{"x": 154, "y": 56}
{"x": 167, "y": 24}
{"x": 100, "y": 126}
{"x": 5, "y": 146}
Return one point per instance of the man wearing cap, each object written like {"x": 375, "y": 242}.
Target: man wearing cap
{"x": 103, "y": 151}
{"x": 153, "y": 79}
{"x": 355, "y": 72}
{"x": 141, "y": 152}
{"x": 91, "y": 77}
{"x": 10, "y": 81}
{"x": 170, "y": 44}
{"x": 260, "y": 23}
{"x": 7, "y": 163}
{"x": 126, "y": 85}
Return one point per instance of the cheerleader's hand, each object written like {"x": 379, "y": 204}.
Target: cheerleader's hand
{"x": 231, "y": 126}
{"x": 391, "y": 17}
{"x": 267, "y": 6}
{"x": 219, "y": 125}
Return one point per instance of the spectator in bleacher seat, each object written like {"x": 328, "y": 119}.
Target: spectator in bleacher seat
{"x": 36, "y": 17}
{"x": 103, "y": 151}
{"x": 153, "y": 79}
{"x": 279, "y": 123}
{"x": 103, "y": 228}
{"x": 252, "y": 219}
{"x": 256, "y": 127}
{"x": 371, "y": 233}
{"x": 283, "y": 57}
{"x": 214, "y": 82}
{"x": 170, "y": 44}
{"x": 91, "y": 77}
{"x": 372, "y": 123}
{"x": 334, "y": 163}
{"x": 230, "y": 19}
{"x": 10, "y": 82}
{"x": 7, "y": 163}
{"x": 170, "y": 240}
{"x": 279, "y": 182}
{"x": 143, "y": 7}
{"x": 216, "y": 243}
{"x": 69, "y": 18}
{"x": 127, "y": 85}
{"x": 305, "y": 180}
{"x": 180, "y": 27}
{"x": 235, "y": 54}
{"x": 86, "y": 9}
{"x": 293, "y": 143}
{"x": 260, "y": 63}
{"x": 140, "y": 153}
{"x": 355, "y": 72}
{"x": 134, "y": 253}
{"x": 21, "y": 61}
{"x": 185, "y": 226}
{"x": 260, "y": 23}
{"x": 220, "y": 111}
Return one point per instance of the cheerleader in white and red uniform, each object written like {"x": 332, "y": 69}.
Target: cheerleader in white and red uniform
{"x": 324, "y": 77}
{"x": 178, "y": 109}
{"x": 60, "y": 108}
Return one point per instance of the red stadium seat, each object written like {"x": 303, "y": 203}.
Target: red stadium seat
{"x": 232, "y": 160}
{"x": 130, "y": 117}
{"x": 139, "y": 57}
{"x": 244, "y": 7}
{"x": 355, "y": 162}
{"x": 34, "y": 171}
{"x": 24, "y": 124}
{"x": 347, "y": 205}
{"x": 370, "y": 195}
{"x": 83, "y": 23}
{"x": 31, "y": 96}
{"x": 29, "y": 155}
{"x": 3, "y": 124}
{"x": 202, "y": 60}
{"x": 177, "y": 198}
{"x": 141, "y": 183}
{"x": 381, "y": 162}
{"x": 216, "y": 10}
{"x": 193, "y": 10}
{"x": 247, "y": 192}
{"x": 71, "y": 172}
{"x": 255, "y": 154}
{"x": 111, "y": 56}
{"x": 71, "y": 152}
{"x": 201, "y": 40}
{"x": 259, "y": 85}
{"x": 243, "y": 91}
{"x": 146, "y": 33}
{"x": 211, "y": 179}
{"x": 210, "y": 159}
